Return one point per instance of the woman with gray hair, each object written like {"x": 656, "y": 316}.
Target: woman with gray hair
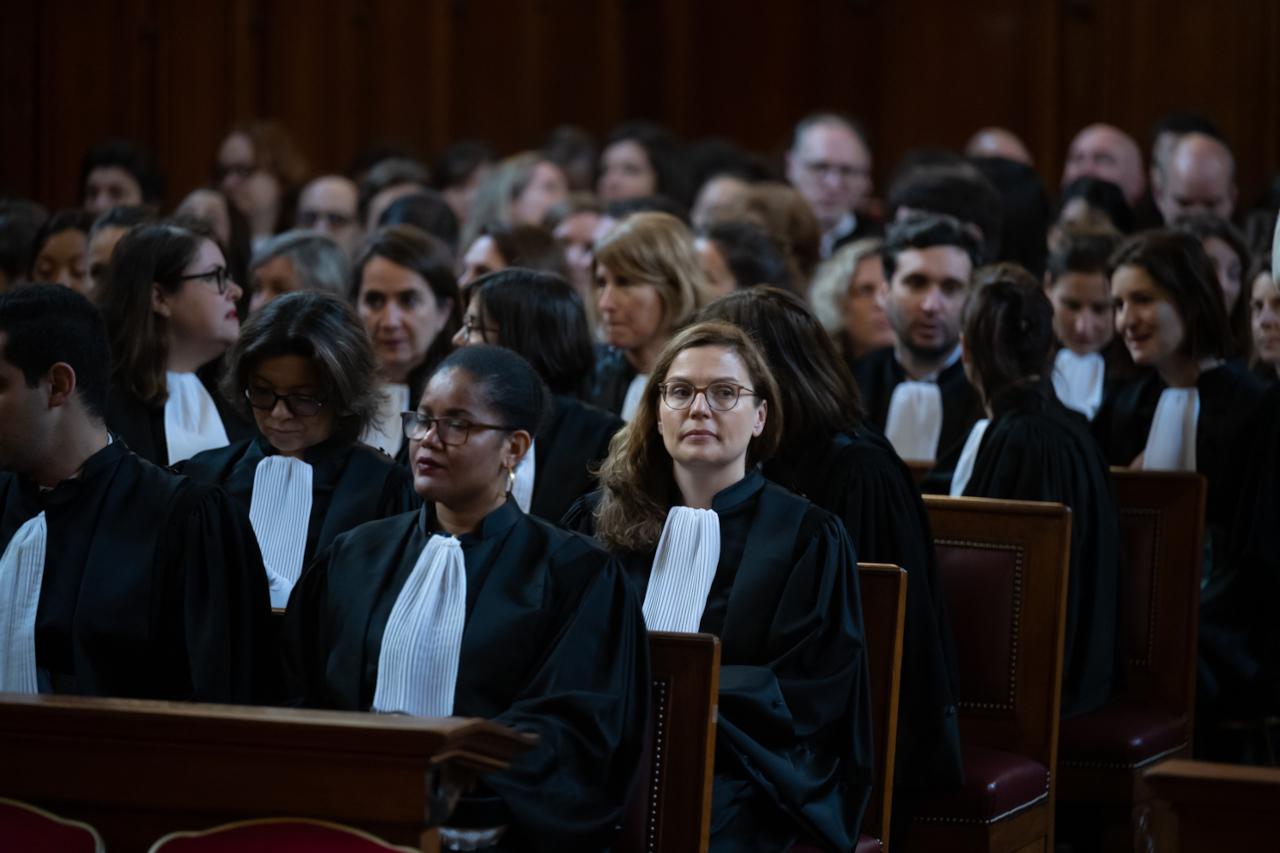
{"x": 846, "y": 297}
{"x": 304, "y": 371}
{"x": 297, "y": 260}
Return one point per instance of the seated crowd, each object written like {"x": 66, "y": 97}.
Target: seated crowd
{"x": 473, "y": 427}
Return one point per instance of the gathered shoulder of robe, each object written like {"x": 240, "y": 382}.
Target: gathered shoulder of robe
{"x": 793, "y": 743}
{"x": 857, "y": 476}
{"x": 153, "y": 586}
{"x": 1036, "y": 449}
{"x": 141, "y": 424}
{"x": 1226, "y": 434}
{"x": 351, "y": 483}
{"x": 879, "y": 372}
{"x": 571, "y": 445}
{"x": 612, "y": 377}
{"x": 554, "y": 644}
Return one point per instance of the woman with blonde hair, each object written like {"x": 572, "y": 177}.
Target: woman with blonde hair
{"x": 714, "y": 547}
{"x": 649, "y": 283}
{"x": 847, "y": 298}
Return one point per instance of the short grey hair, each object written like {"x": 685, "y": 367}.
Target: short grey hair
{"x": 831, "y": 282}
{"x": 318, "y": 262}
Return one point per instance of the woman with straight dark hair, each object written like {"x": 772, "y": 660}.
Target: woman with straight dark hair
{"x": 170, "y": 309}
{"x": 829, "y": 454}
{"x": 1195, "y": 409}
{"x": 304, "y": 371}
{"x": 1038, "y": 450}
{"x": 408, "y": 299}
{"x": 469, "y": 607}
{"x": 1229, "y": 253}
{"x": 714, "y": 547}
{"x": 539, "y": 316}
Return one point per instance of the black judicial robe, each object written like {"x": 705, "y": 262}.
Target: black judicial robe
{"x": 1226, "y": 432}
{"x": 858, "y": 476}
{"x": 1036, "y": 449}
{"x": 554, "y": 644}
{"x": 351, "y": 483}
{"x": 141, "y": 425}
{"x": 612, "y": 377}
{"x": 153, "y": 586}
{"x": 879, "y": 372}
{"x": 571, "y": 444}
{"x": 793, "y": 743}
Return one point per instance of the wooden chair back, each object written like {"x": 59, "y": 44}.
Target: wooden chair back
{"x": 884, "y": 611}
{"x": 919, "y": 469}
{"x": 1162, "y": 540}
{"x": 1002, "y": 566}
{"x": 670, "y": 809}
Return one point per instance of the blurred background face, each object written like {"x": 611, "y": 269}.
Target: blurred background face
{"x": 329, "y": 205}
{"x": 1227, "y": 268}
{"x": 210, "y": 208}
{"x": 576, "y": 233}
{"x": 271, "y": 280}
{"x": 102, "y": 242}
{"x": 1083, "y": 319}
{"x": 866, "y": 322}
{"x": 401, "y": 315}
{"x": 831, "y": 168}
{"x": 718, "y": 278}
{"x": 1265, "y": 315}
{"x": 1104, "y": 152}
{"x": 625, "y": 172}
{"x": 63, "y": 259}
{"x": 110, "y": 186}
{"x": 546, "y": 188}
{"x": 481, "y": 259}
{"x": 717, "y": 196}
{"x": 251, "y": 188}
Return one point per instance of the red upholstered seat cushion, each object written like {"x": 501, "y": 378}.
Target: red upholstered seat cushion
{"x": 996, "y": 784}
{"x": 1120, "y": 735}
{"x": 275, "y": 836}
{"x": 27, "y": 828}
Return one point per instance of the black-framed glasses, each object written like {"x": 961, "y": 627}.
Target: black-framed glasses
{"x": 721, "y": 396}
{"x": 451, "y": 431}
{"x": 470, "y": 323}
{"x": 299, "y": 405}
{"x": 219, "y": 277}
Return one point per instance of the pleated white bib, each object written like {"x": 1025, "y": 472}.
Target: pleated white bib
{"x": 280, "y": 512}
{"x": 683, "y": 568}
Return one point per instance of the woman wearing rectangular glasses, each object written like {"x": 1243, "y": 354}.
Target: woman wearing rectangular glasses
{"x": 304, "y": 371}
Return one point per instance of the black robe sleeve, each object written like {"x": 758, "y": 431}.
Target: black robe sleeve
{"x": 1037, "y": 450}
{"x": 569, "y": 449}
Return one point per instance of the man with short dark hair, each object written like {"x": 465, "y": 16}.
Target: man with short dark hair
{"x": 916, "y": 390}
{"x": 118, "y": 577}
{"x": 829, "y": 163}
{"x": 115, "y": 172}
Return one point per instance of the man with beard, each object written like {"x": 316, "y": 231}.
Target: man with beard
{"x": 916, "y": 390}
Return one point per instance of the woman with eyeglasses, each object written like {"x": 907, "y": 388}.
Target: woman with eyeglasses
{"x": 714, "y": 547}
{"x": 539, "y": 316}
{"x": 470, "y": 607}
{"x": 407, "y": 297}
{"x": 304, "y": 371}
{"x": 170, "y": 309}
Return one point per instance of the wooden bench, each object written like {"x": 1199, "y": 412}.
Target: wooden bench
{"x": 1101, "y": 791}
{"x": 136, "y": 770}
{"x": 1219, "y": 806}
{"x": 1002, "y": 567}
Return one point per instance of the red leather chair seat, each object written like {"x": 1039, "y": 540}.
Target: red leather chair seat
{"x": 282, "y": 835}
{"x": 996, "y": 784}
{"x": 1120, "y": 735}
{"x": 25, "y": 827}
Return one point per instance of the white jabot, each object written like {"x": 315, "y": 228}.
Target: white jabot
{"x": 635, "y": 393}
{"x": 21, "y": 571}
{"x": 387, "y": 432}
{"x": 683, "y": 568}
{"x": 1171, "y": 443}
{"x": 522, "y": 488}
{"x": 418, "y": 664}
{"x": 191, "y": 420}
{"x": 280, "y": 511}
{"x": 964, "y": 466}
{"x": 1077, "y": 380}
{"x": 914, "y": 424}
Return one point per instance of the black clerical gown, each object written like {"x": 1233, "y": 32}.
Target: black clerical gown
{"x": 571, "y": 444}
{"x": 1036, "y": 449}
{"x": 611, "y": 380}
{"x": 152, "y": 588}
{"x": 879, "y": 372}
{"x": 793, "y": 743}
{"x": 857, "y": 476}
{"x": 141, "y": 425}
{"x": 1226, "y": 435}
{"x": 351, "y": 483}
{"x": 554, "y": 644}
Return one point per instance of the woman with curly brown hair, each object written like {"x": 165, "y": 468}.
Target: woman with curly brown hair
{"x": 713, "y": 547}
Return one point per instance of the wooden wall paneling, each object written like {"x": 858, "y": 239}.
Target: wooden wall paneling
{"x": 20, "y": 109}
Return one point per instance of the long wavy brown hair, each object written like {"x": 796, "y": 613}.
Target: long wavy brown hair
{"x": 637, "y": 477}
